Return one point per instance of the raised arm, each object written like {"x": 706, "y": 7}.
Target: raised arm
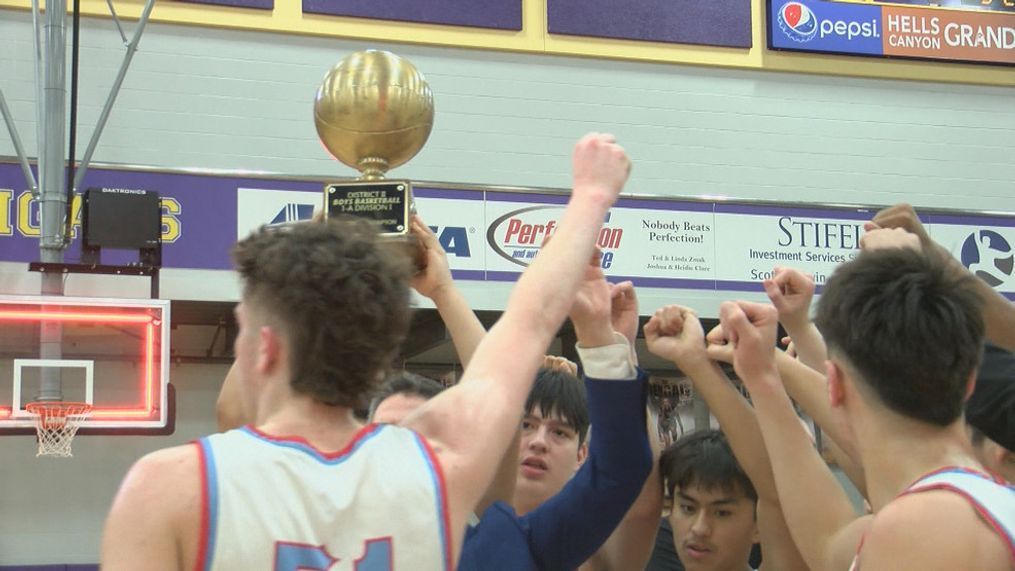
{"x": 675, "y": 333}
{"x": 826, "y": 536}
{"x": 472, "y": 424}
{"x": 576, "y": 523}
{"x": 630, "y": 545}
{"x": 791, "y": 292}
{"x": 998, "y": 312}
{"x": 434, "y": 282}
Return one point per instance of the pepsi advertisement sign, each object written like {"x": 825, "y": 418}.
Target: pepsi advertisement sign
{"x": 835, "y": 27}
{"x": 897, "y": 29}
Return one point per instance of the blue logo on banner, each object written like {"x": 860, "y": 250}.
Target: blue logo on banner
{"x": 988, "y": 255}
{"x": 293, "y": 212}
{"x": 823, "y": 26}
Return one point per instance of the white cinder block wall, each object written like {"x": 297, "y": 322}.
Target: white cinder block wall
{"x": 199, "y": 97}
{"x": 219, "y": 99}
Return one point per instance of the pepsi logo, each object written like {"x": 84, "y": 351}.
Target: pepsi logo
{"x": 798, "y": 22}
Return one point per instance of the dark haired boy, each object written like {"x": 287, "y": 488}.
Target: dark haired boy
{"x": 904, "y": 334}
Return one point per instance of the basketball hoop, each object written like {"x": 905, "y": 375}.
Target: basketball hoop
{"x": 56, "y": 423}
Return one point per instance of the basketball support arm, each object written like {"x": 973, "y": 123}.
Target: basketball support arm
{"x": 117, "y": 83}
{"x": 19, "y": 150}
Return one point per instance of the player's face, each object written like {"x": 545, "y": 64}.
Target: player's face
{"x": 549, "y": 456}
{"x": 713, "y": 530}
{"x": 395, "y": 408}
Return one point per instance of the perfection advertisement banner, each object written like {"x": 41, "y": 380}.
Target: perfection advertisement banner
{"x": 492, "y": 235}
{"x": 959, "y": 31}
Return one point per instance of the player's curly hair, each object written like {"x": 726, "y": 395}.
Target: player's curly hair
{"x": 338, "y": 294}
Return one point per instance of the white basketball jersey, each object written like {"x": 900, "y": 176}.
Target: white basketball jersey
{"x": 279, "y": 504}
{"x": 992, "y": 499}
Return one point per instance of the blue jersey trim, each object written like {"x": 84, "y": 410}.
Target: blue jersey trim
{"x": 211, "y": 481}
{"x": 438, "y": 498}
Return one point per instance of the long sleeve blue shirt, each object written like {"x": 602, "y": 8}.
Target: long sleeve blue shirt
{"x": 567, "y": 529}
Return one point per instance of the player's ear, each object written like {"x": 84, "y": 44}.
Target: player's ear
{"x": 836, "y": 387}
{"x": 583, "y": 454}
{"x": 269, "y": 349}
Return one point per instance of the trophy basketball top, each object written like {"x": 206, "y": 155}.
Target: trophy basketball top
{"x": 373, "y": 111}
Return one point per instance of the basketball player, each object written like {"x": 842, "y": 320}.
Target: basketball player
{"x": 904, "y": 333}
{"x": 990, "y": 413}
{"x": 580, "y": 503}
{"x": 525, "y": 528}
{"x": 716, "y": 518}
{"x": 998, "y": 312}
{"x": 323, "y": 310}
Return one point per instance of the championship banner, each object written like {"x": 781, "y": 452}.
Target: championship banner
{"x": 260, "y": 4}
{"x": 492, "y": 236}
{"x": 959, "y": 30}
{"x": 724, "y": 23}
{"x": 497, "y": 14}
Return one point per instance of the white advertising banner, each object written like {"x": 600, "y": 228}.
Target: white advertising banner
{"x": 984, "y": 245}
{"x": 653, "y": 243}
{"x": 457, "y": 217}
{"x": 755, "y": 239}
{"x": 710, "y": 246}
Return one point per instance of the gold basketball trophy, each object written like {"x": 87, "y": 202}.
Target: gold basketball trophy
{"x": 373, "y": 112}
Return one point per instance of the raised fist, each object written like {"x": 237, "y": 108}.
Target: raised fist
{"x": 674, "y": 333}
{"x": 791, "y": 292}
{"x": 600, "y": 168}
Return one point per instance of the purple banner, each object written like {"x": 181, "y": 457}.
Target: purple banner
{"x": 199, "y": 214}
{"x": 705, "y": 22}
{"x": 499, "y": 14}
{"x": 262, "y": 4}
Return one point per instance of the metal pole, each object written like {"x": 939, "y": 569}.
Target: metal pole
{"x": 22, "y": 158}
{"x": 52, "y": 197}
{"x": 114, "y": 91}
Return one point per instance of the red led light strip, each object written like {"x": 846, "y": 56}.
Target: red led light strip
{"x": 74, "y": 316}
{"x": 143, "y": 411}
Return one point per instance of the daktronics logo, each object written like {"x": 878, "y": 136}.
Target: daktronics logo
{"x": 518, "y": 235}
{"x": 800, "y": 24}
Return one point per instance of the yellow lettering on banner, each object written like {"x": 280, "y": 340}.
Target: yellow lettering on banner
{"x": 75, "y": 216}
{"x": 6, "y": 198}
{"x": 25, "y": 226}
{"x": 170, "y": 223}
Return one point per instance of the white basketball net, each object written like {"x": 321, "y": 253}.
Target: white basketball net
{"x": 56, "y": 423}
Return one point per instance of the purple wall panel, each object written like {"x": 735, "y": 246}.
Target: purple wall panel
{"x": 262, "y": 4}
{"x": 706, "y": 22}
{"x": 500, "y": 14}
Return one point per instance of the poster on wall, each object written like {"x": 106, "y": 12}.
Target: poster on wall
{"x": 956, "y": 30}
{"x": 498, "y": 14}
{"x": 703, "y": 22}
